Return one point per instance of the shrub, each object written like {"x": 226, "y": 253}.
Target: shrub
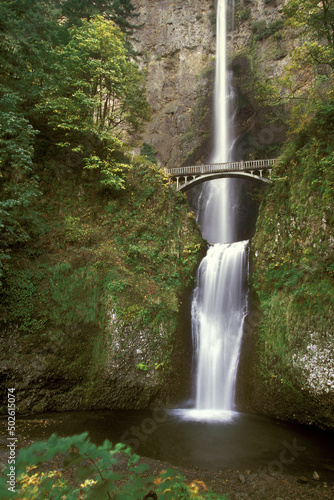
{"x": 244, "y": 14}
{"x": 95, "y": 475}
{"x": 262, "y": 31}
{"x": 259, "y": 27}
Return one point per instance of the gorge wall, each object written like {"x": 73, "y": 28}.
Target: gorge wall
{"x": 176, "y": 44}
{"x": 92, "y": 311}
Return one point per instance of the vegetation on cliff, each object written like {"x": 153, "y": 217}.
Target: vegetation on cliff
{"x": 72, "y": 89}
{"x": 294, "y": 239}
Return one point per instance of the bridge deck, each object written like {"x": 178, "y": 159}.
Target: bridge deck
{"x": 240, "y": 166}
{"x": 187, "y": 177}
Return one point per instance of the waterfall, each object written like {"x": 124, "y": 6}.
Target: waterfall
{"x": 219, "y": 303}
{"x": 218, "y": 310}
{"x": 223, "y": 89}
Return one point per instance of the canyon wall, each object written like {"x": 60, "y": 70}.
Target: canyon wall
{"x": 176, "y": 46}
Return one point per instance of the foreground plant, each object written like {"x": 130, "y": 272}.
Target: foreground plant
{"x": 95, "y": 478}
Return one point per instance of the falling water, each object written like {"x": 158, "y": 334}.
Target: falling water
{"x": 219, "y": 200}
{"x": 223, "y": 89}
{"x": 220, "y": 300}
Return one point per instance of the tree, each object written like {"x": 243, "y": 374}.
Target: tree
{"x": 119, "y": 11}
{"x": 313, "y": 17}
{"x": 18, "y": 185}
{"x": 76, "y": 87}
{"x": 94, "y": 85}
{"x": 314, "y": 21}
{"x": 29, "y": 31}
{"x": 95, "y": 97}
{"x": 307, "y": 81}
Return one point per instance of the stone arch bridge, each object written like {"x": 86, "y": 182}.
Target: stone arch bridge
{"x": 187, "y": 177}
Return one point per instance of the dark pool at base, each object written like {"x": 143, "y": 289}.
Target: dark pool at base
{"x": 244, "y": 442}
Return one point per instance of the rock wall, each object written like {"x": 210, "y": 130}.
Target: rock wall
{"x": 292, "y": 373}
{"x": 177, "y": 48}
{"x": 176, "y": 45}
{"x": 259, "y": 49}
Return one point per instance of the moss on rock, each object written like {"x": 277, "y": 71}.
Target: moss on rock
{"x": 91, "y": 319}
{"x": 293, "y": 275}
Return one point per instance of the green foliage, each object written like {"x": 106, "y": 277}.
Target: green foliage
{"x": 262, "y": 30}
{"x": 94, "y": 84}
{"x": 24, "y": 302}
{"x": 142, "y": 366}
{"x": 86, "y": 229}
{"x": 77, "y": 232}
{"x": 259, "y": 26}
{"x": 307, "y": 80}
{"x": 293, "y": 274}
{"x": 149, "y": 152}
{"x": 93, "y": 97}
{"x": 72, "y": 88}
{"x": 112, "y": 172}
{"x": 155, "y": 260}
{"x": 95, "y": 475}
{"x": 312, "y": 18}
{"x": 29, "y": 32}
{"x": 119, "y": 11}
{"x": 74, "y": 294}
{"x": 18, "y": 185}
{"x": 132, "y": 255}
{"x": 244, "y": 15}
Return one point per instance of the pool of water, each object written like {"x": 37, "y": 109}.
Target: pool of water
{"x": 212, "y": 441}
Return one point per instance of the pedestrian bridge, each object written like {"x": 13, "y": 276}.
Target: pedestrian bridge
{"x": 187, "y": 177}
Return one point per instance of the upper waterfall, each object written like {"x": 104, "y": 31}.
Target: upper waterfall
{"x": 223, "y": 91}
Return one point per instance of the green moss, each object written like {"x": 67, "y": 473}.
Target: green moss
{"x": 261, "y": 30}
{"x": 133, "y": 253}
{"x": 293, "y": 274}
{"x": 244, "y": 15}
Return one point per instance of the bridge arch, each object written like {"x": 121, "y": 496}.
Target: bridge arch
{"x": 184, "y": 186}
{"x": 188, "y": 177}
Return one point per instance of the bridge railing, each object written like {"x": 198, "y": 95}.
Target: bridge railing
{"x": 240, "y": 166}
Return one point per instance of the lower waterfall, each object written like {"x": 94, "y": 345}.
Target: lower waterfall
{"x": 218, "y": 310}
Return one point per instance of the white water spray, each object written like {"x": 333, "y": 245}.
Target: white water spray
{"x": 220, "y": 300}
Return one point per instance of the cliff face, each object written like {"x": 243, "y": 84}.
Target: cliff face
{"x": 293, "y": 374}
{"x": 91, "y": 315}
{"x": 176, "y": 45}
